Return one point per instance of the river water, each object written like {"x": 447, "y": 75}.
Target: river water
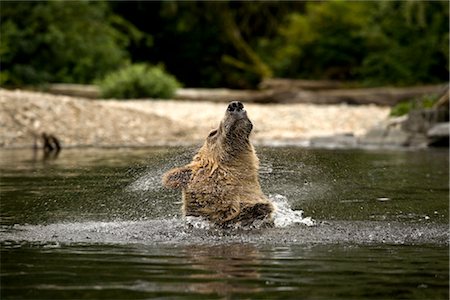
{"x": 96, "y": 224}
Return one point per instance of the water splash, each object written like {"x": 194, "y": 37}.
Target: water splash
{"x": 149, "y": 181}
{"x": 285, "y": 215}
{"x": 197, "y": 223}
{"x": 175, "y": 232}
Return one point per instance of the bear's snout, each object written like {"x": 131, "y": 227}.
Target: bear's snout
{"x": 235, "y": 106}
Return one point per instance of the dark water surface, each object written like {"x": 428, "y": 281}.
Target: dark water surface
{"x": 96, "y": 224}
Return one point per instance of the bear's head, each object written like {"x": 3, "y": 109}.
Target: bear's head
{"x": 231, "y": 138}
{"x": 226, "y": 147}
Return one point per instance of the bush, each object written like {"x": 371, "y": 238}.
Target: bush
{"x": 404, "y": 107}
{"x": 139, "y": 81}
{"x": 59, "y": 41}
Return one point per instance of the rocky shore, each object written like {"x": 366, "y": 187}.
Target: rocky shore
{"x": 79, "y": 122}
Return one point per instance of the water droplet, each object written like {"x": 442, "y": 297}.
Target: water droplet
{"x": 383, "y": 199}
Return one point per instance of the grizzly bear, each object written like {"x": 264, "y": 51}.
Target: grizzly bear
{"x": 221, "y": 183}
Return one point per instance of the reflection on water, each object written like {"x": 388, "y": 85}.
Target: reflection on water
{"x": 228, "y": 270}
{"x": 224, "y": 269}
{"x": 97, "y": 224}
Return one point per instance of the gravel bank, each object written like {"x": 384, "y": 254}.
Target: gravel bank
{"x": 109, "y": 123}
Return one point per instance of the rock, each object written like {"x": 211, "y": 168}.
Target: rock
{"x": 421, "y": 120}
{"x": 427, "y": 126}
{"x": 392, "y": 133}
{"x": 386, "y": 136}
{"x": 438, "y": 135}
{"x": 420, "y": 128}
{"x": 439, "y": 130}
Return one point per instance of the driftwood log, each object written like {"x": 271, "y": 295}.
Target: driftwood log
{"x": 284, "y": 91}
{"x": 387, "y": 96}
{"x": 74, "y": 90}
{"x": 289, "y": 84}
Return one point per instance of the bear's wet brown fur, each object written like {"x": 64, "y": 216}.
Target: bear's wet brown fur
{"x": 221, "y": 183}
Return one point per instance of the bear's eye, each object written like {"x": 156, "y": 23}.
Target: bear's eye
{"x": 212, "y": 133}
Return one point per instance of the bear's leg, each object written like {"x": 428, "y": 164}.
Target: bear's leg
{"x": 259, "y": 211}
{"x": 177, "y": 178}
{"x": 225, "y": 215}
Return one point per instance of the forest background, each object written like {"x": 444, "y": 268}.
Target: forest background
{"x": 227, "y": 43}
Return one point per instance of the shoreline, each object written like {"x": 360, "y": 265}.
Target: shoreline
{"x": 275, "y": 144}
{"x": 81, "y": 122}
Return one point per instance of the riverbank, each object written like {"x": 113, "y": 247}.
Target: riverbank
{"x": 80, "y": 122}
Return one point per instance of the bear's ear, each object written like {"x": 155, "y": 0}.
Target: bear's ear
{"x": 177, "y": 178}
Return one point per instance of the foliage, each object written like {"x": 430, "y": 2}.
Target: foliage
{"x": 196, "y": 44}
{"x": 60, "y": 41}
{"x": 227, "y": 43}
{"x": 139, "y": 81}
{"x": 408, "y": 43}
{"x": 323, "y": 42}
{"x": 404, "y": 107}
{"x": 401, "y": 108}
{"x": 375, "y": 42}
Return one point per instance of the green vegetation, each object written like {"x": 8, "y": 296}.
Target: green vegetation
{"x": 60, "y": 41}
{"x": 139, "y": 81}
{"x": 404, "y": 107}
{"x": 376, "y": 43}
{"x": 227, "y": 43}
{"x": 324, "y": 41}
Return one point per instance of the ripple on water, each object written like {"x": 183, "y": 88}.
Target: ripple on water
{"x": 290, "y": 228}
